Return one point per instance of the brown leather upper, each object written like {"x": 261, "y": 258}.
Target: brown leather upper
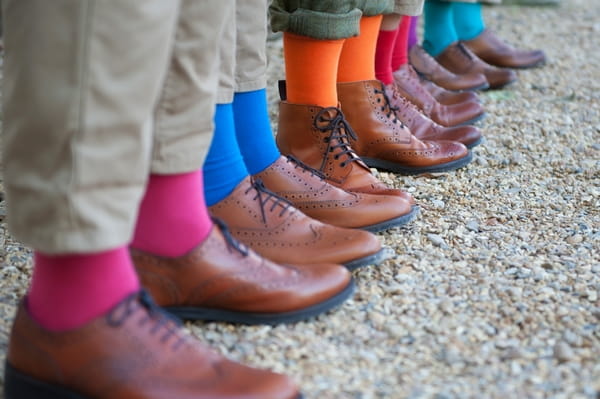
{"x": 431, "y": 69}
{"x": 314, "y": 196}
{"x": 491, "y": 49}
{"x": 223, "y": 274}
{"x": 460, "y": 60}
{"x": 448, "y": 97}
{"x": 381, "y": 135}
{"x": 409, "y": 86}
{"x": 316, "y": 136}
{"x": 283, "y": 234}
{"x": 135, "y": 352}
{"x": 424, "y": 128}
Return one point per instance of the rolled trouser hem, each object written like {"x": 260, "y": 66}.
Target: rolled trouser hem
{"x": 251, "y": 85}
{"x": 408, "y": 7}
{"x": 70, "y": 242}
{"x": 92, "y": 219}
{"x": 316, "y": 24}
{"x": 175, "y": 159}
{"x": 371, "y": 8}
{"x": 225, "y": 96}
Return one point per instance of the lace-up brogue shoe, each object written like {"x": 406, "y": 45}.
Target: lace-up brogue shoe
{"x": 308, "y": 190}
{"x": 430, "y": 68}
{"x": 134, "y": 351}
{"x": 380, "y": 138}
{"x": 460, "y": 60}
{"x": 493, "y": 50}
{"x": 272, "y": 227}
{"x": 298, "y": 136}
{"x": 424, "y": 128}
{"x": 223, "y": 280}
{"x": 409, "y": 86}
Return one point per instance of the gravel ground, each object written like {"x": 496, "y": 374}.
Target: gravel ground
{"x": 494, "y": 290}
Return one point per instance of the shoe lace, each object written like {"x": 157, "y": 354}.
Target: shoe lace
{"x": 232, "y": 243}
{"x": 387, "y": 106}
{"x": 339, "y": 130}
{"x": 304, "y": 167}
{"x": 264, "y": 196}
{"x": 464, "y": 51}
{"x": 160, "y": 318}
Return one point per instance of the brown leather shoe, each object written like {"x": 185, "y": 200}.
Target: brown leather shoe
{"x": 448, "y": 97}
{"x": 430, "y": 69}
{"x": 460, "y": 60}
{"x": 309, "y": 192}
{"x": 424, "y": 128}
{"x": 409, "y": 86}
{"x": 134, "y": 351}
{"x": 223, "y": 280}
{"x": 493, "y": 50}
{"x": 299, "y": 120}
{"x": 273, "y": 228}
{"x": 380, "y": 138}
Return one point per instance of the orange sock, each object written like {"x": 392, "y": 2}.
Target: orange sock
{"x": 311, "y": 67}
{"x": 357, "y": 61}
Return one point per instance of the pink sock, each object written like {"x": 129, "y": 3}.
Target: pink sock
{"x": 173, "y": 218}
{"x": 383, "y": 55}
{"x": 412, "y": 33}
{"x": 67, "y": 291}
{"x": 400, "y": 52}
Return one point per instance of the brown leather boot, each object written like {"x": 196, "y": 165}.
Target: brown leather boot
{"x": 459, "y": 59}
{"x": 448, "y": 97}
{"x": 430, "y": 69}
{"x": 134, "y": 351}
{"x": 493, "y": 50}
{"x": 308, "y": 191}
{"x": 380, "y": 138}
{"x": 299, "y": 134}
{"x": 223, "y": 280}
{"x": 273, "y": 228}
{"x": 409, "y": 86}
{"x": 424, "y": 128}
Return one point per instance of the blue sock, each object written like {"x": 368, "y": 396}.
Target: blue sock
{"x": 468, "y": 20}
{"x": 439, "y": 26}
{"x": 223, "y": 167}
{"x": 253, "y": 130}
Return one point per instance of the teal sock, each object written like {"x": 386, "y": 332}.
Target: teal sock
{"x": 223, "y": 167}
{"x": 253, "y": 130}
{"x": 468, "y": 20}
{"x": 439, "y": 26}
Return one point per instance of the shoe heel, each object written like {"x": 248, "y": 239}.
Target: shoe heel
{"x": 20, "y": 386}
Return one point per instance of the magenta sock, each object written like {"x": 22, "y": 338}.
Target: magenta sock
{"x": 383, "y": 55}
{"x": 412, "y": 32}
{"x": 68, "y": 291}
{"x": 173, "y": 218}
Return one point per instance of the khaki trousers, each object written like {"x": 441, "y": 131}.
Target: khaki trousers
{"x": 98, "y": 94}
{"x": 244, "y": 51}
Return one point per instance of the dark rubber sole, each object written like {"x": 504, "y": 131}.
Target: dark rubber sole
{"x": 404, "y": 170}
{"x": 396, "y": 222}
{"x": 371, "y": 260}
{"x": 474, "y": 120}
{"x": 501, "y": 86}
{"x": 475, "y": 143}
{"x": 21, "y": 386}
{"x": 484, "y": 86}
{"x": 204, "y": 314}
